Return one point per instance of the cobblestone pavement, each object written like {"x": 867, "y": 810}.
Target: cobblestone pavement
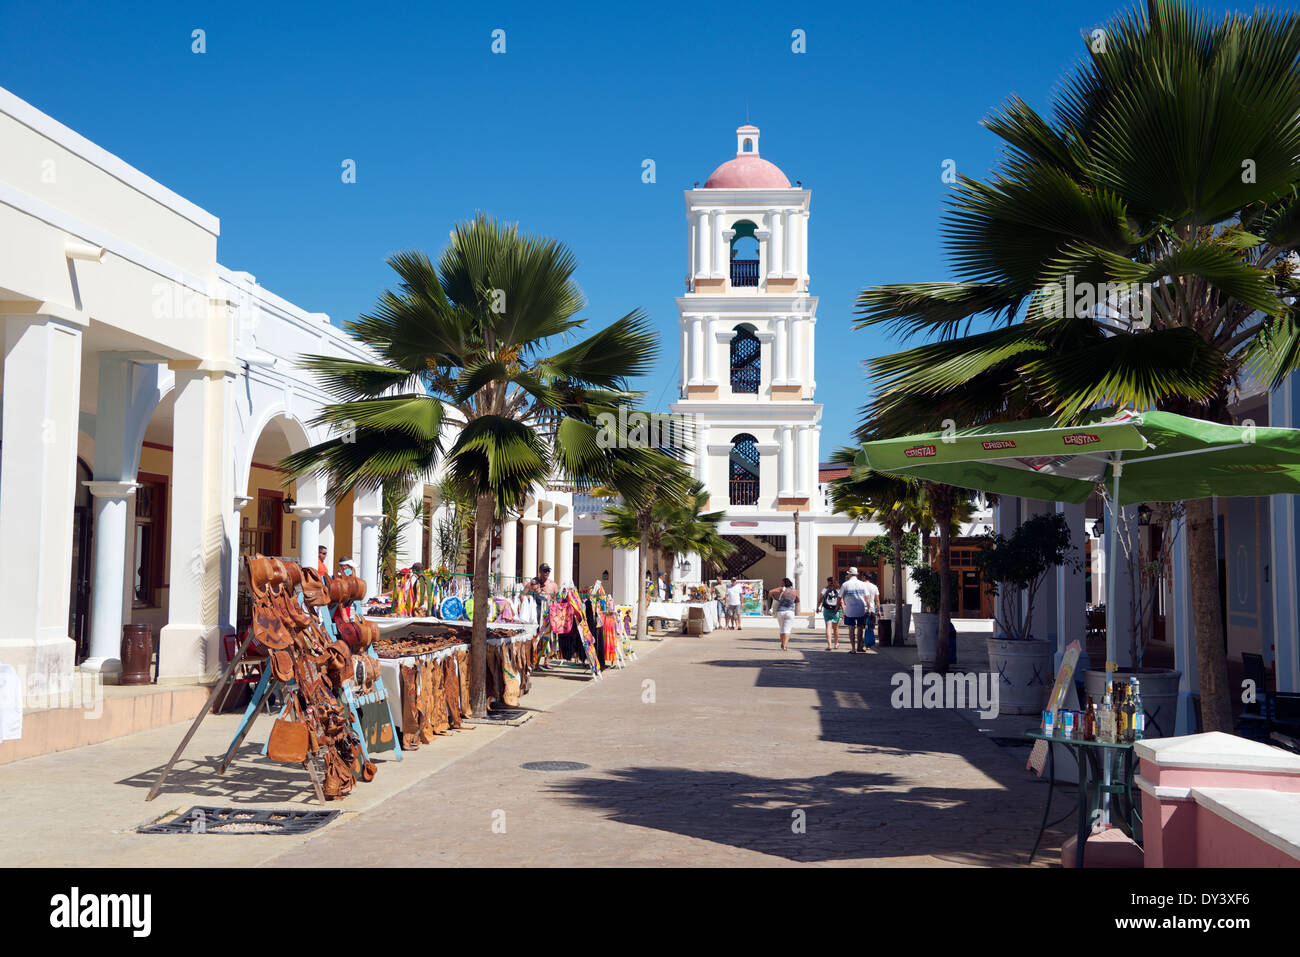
{"x": 720, "y": 750}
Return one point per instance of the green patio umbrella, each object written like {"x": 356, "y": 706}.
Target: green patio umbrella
{"x": 1132, "y": 456}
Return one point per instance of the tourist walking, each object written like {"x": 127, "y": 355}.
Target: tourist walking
{"x": 733, "y": 605}
{"x": 829, "y": 603}
{"x": 853, "y": 594}
{"x": 787, "y": 599}
{"x": 873, "y": 612}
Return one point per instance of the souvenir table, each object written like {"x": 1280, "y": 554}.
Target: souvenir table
{"x": 678, "y": 611}
{"x": 390, "y": 668}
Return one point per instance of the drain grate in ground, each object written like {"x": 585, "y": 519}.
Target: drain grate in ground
{"x": 513, "y": 717}
{"x": 555, "y": 766}
{"x": 233, "y": 820}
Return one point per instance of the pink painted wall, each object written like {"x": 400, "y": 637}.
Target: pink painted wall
{"x": 1222, "y": 844}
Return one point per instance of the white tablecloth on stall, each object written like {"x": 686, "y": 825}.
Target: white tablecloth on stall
{"x": 678, "y": 611}
{"x": 390, "y": 670}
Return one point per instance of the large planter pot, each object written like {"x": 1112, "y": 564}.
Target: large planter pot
{"x": 927, "y": 637}
{"x": 1023, "y": 671}
{"x": 902, "y": 619}
{"x": 1159, "y": 695}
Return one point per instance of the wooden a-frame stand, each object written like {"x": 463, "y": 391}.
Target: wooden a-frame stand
{"x": 265, "y": 686}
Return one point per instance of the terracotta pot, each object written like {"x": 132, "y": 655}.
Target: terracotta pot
{"x": 136, "y": 652}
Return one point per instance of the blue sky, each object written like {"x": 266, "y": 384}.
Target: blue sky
{"x": 551, "y": 134}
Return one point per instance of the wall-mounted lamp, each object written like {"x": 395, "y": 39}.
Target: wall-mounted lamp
{"x": 74, "y": 249}
{"x": 1099, "y": 527}
{"x": 1144, "y": 514}
{"x": 288, "y": 505}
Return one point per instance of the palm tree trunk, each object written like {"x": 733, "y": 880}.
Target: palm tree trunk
{"x": 642, "y": 567}
{"x": 1207, "y": 615}
{"x": 483, "y": 521}
{"x": 896, "y": 539}
{"x": 943, "y": 518}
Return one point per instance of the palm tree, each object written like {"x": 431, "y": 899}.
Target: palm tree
{"x": 898, "y": 504}
{"x": 469, "y": 370}
{"x": 1168, "y": 173}
{"x": 688, "y": 530}
{"x": 663, "y": 521}
{"x": 870, "y": 496}
{"x": 399, "y": 515}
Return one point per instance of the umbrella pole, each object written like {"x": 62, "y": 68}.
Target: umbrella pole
{"x": 1117, "y": 467}
{"x": 1112, "y": 567}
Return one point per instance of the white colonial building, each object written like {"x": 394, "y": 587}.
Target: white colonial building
{"x": 148, "y": 394}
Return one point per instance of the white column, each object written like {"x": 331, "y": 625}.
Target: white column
{"x": 564, "y": 567}
{"x": 787, "y": 221}
{"x": 801, "y": 231}
{"x": 189, "y": 645}
{"x": 721, "y": 246}
{"x": 702, "y": 244}
{"x": 529, "y": 522}
{"x": 112, "y": 516}
{"x": 800, "y": 466}
{"x": 697, "y": 350}
{"x": 780, "y": 366}
{"x": 786, "y": 462}
{"x": 683, "y": 376}
{"x": 711, "y": 350}
{"x": 1071, "y": 610}
{"x": 38, "y": 471}
{"x": 776, "y": 247}
{"x": 309, "y": 517}
{"x": 811, "y": 381}
{"x": 796, "y": 351}
{"x": 548, "y": 545}
{"x": 509, "y": 546}
{"x": 764, "y": 237}
{"x": 368, "y": 565}
{"x": 625, "y": 573}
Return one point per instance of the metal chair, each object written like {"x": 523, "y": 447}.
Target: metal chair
{"x": 249, "y": 670}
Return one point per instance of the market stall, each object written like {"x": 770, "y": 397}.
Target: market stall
{"x": 706, "y": 611}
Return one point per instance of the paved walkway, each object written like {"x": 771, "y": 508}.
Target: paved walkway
{"x": 712, "y": 751}
{"x": 716, "y": 751}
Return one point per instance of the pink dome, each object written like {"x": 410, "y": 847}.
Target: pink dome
{"x": 747, "y": 172}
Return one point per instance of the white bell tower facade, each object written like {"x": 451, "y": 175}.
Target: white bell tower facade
{"x": 747, "y": 348}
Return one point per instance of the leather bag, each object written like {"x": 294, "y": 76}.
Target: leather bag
{"x": 288, "y": 741}
{"x": 314, "y": 590}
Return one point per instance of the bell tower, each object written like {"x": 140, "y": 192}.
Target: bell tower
{"x": 747, "y": 331}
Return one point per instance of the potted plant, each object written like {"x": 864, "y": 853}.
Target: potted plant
{"x": 927, "y": 620}
{"x": 1146, "y": 548}
{"x": 1015, "y": 568}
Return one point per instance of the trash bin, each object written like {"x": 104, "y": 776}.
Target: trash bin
{"x": 885, "y": 631}
{"x": 136, "y": 654}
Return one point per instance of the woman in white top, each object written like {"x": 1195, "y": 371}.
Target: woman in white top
{"x": 787, "y": 599}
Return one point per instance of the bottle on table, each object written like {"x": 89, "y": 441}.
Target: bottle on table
{"x": 1090, "y": 720}
{"x": 1139, "y": 716}
{"x": 1106, "y": 717}
{"x": 1130, "y": 717}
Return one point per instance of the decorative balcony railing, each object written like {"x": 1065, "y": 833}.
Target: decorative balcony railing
{"x": 743, "y": 492}
{"x": 744, "y": 272}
